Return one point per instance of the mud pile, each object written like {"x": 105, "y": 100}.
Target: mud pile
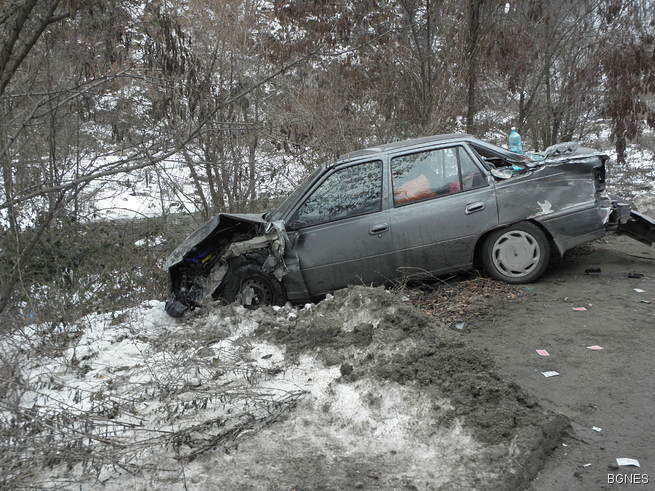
{"x": 372, "y": 334}
{"x": 359, "y": 391}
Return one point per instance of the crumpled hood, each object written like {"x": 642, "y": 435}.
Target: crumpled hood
{"x": 205, "y": 230}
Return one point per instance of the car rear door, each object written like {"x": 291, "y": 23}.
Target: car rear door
{"x": 443, "y": 201}
{"x": 343, "y": 235}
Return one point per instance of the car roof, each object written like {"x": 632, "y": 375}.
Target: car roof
{"x": 403, "y": 144}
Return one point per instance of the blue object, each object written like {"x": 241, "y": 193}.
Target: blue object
{"x": 514, "y": 141}
{"x": 535, "y": 156}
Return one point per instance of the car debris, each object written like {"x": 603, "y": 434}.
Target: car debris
{"x": 412, "y": 209}
{"x": 623, "y": 461}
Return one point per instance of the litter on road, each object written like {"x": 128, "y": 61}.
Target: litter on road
{"x": 542, "y": 352}
{"x": 645, "y": 301}
{"x": 586, "y": 465}
{"x": 595, "y": 347}
{"x": 580, "y": 309}
{"x": 639, "y": 290}
{"x": 596, "y": 428}
{"x": 635, "y": 275}
{"x": 550, "y": 374}
{"x": 625, "y": 461}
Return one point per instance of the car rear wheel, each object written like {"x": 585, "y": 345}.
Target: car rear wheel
{"x": 516, "y": 254}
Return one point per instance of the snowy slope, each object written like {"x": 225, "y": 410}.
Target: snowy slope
{"x": 139, "y": 399}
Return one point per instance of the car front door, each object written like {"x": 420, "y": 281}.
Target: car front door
{"x": 442, "y": 202}
{"x": 342, "y": 229}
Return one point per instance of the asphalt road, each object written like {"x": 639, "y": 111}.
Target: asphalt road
{"x": 613, "y": 388}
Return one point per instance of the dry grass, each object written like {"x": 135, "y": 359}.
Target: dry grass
{"x": 457, "y": 301}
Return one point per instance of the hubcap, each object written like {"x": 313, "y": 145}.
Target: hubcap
{"x": 255, "y": 292}
{"x": 516, "y": 253}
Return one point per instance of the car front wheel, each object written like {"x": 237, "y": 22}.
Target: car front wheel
{"x": 252, "y": 288}
{"x": 516, "y": 254}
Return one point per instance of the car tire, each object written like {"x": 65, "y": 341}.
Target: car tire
{"x": 516, "y": 254}
{"x": 252, "y": 288}
{"x": 175, "y": 308}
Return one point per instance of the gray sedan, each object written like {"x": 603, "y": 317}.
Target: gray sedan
{"x": 422, "y": 207}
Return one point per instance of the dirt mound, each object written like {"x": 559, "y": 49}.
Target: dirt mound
{"x": 375, "y": 334}
{"x": 359, "y": 391}
{"x": 352, "y": 318}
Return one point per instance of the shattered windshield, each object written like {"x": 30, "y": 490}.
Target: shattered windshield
{"x": 281, "y": 210}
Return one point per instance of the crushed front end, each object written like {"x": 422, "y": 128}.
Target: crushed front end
{"x": 198, "y": 266}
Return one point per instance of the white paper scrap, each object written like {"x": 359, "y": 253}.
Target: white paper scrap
{"x": 550, "y": 374}
{"x": 596, "y": 428}
{"x": 639, "y": 290}
{"x": 595, "y": 347}
{"x": 624, "y": 461}
{"x": 586, "y": 465}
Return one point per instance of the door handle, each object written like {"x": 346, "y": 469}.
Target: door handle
{"x": 378, "y": 228}
{"x": 473, "y": 207}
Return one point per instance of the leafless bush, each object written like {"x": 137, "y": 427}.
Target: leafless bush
{"x": 189, "y": 404}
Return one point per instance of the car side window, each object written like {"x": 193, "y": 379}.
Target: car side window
{"x": 434, "y": 173}
{"x": 472, "y": 176}
{"x": 349, "y": 192}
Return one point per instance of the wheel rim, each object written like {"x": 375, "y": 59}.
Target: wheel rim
{"x": 255, "y": 292}
{"x": 516, "y": 253}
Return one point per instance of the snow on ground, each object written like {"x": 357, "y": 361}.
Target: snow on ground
{"x": 135, "y": 398}
{"x": 169, "y": 187}
{"x": 634, "y": 179}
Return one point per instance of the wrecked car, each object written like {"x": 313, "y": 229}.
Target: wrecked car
{"x": 416, "y": 208}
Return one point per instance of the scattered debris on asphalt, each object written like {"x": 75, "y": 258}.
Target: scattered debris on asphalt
{"x": 627, "y": 462}
{"x": 592, "y": 270}
{"x": 542, "y": 352}
{"x": 596, "y": 428}
{"x": 639, "y": 290}
{"x": 580, "y": 309}
{"x": 635, "y": 275}
{"x": 460, "y": 325}
{"x": 550, "y": 374}
{"x": 595, "y": 347}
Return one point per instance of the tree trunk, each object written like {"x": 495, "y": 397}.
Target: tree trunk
{"x": 474, "y": 7}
